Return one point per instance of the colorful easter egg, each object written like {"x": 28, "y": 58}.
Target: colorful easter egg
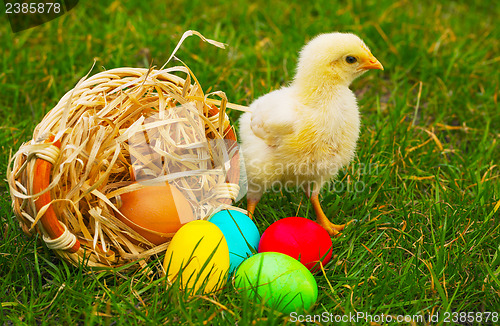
{"x": 199, "y": 255}
{"x": 281, "y": 281}
{"x": 241, "y": 234}
{"x": 300, "y": 238}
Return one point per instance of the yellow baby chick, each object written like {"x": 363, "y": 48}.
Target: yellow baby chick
{"x": 303, "y": 134}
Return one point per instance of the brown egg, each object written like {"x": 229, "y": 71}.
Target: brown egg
{"x": 161, "y": 209}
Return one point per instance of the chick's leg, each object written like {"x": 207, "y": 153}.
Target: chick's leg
{"x": 333, "y": 229}
{"x": 253, "y": 198}
{"x": 251, "y": 204}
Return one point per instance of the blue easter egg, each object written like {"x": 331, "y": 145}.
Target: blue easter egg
{"x": 241, "y": 234}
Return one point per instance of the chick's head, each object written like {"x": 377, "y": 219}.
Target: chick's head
{"x": 334, "y": 58}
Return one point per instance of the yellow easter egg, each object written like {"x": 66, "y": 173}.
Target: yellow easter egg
{"x": 199, "y": 255}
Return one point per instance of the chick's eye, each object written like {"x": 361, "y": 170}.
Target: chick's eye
{"x": 350, "y": 59}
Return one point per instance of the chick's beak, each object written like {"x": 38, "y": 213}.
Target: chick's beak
{"x": 371, "y": 63}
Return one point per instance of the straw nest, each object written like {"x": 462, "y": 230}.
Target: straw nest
{"x": 115, "y": 132}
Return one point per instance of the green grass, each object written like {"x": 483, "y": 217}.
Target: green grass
{"x": 427, "y": 235}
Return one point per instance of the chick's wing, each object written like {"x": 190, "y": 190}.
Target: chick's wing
{"x": 273, "y": 116}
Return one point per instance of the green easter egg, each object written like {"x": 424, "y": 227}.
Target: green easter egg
{"x": 280, "y": 280}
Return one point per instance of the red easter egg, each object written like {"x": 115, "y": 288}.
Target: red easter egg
{"x": 299, "y": 238}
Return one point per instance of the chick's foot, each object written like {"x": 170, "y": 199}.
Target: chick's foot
{"x": 333, "y": 229}
{"x": 321, "y": 219}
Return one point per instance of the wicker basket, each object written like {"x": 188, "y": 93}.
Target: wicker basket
{"x": 66, "y": 182}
